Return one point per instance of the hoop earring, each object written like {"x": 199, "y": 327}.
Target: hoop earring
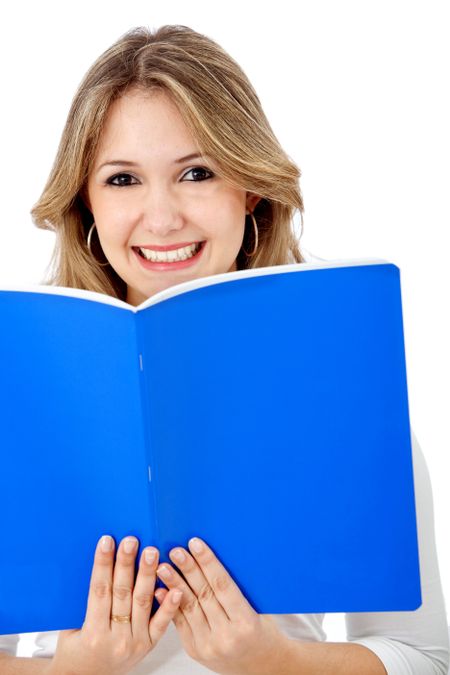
{"x": 255, "y": 227}
{"x": 88, "y": 243}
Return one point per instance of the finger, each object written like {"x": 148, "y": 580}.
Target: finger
{"x": 224, "y": 587}
{"x": 123, "y": 583}
{"x": 143, "y": 593}
{"x": 191, "y": 571}
{"x": 98, "y": 612}
{"x": 179, "y": 619}
{"x": 164, "y": 615}
{"x": 160, "y": 594}
{"x": 190, "y": 606}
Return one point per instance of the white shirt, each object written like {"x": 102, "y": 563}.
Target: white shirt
{"x": 407, "y": 643}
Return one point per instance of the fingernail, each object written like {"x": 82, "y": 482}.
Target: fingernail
{"x": 129, "y": 545}
{"x": 179, "y": 556}
{"x": 196, "y": 545}
{"x": 106, "y": 543}
{"x": 165, "y": 572}
{"x": 158, "y": 594}
{"x": 149, "y": 556}
{"x": 176, "y": 596}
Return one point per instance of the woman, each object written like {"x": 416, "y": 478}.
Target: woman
{"x": 168, "y": 170}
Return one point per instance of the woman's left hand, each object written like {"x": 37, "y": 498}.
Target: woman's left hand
{"x": 216, "y": 624}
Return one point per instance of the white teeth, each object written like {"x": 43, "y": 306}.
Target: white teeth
{"x": 170, "y": 256}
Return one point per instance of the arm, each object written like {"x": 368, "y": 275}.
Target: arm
{"x": 320, "y": 658}
{"x": 13, "y": 665}
{"x": 10, "y": 664}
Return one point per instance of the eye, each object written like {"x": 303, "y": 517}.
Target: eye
{"x": 122, "y": 179}
{"x": 201, "y": 169}
{"x": 120, "y": 184}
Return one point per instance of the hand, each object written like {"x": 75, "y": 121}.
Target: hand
{"x": 104, "y": 646}
{"x": 216, "y": 624}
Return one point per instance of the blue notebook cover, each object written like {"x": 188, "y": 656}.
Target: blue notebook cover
{"x": 264, "y": 410}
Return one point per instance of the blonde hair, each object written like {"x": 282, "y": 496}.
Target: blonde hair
{"x": 224, "y": 115}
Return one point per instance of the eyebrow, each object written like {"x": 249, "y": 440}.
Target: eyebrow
{"x": 125, "y": 162}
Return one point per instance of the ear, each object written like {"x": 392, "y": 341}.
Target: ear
{"x": 252, "y": 201}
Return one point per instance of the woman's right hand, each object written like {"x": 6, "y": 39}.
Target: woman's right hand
{"x": 104, "y": 646}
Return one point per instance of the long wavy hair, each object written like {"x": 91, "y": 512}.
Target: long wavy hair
{"x": 225, "y": 117}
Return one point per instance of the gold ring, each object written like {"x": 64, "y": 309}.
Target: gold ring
{"x": 121, "y": 619}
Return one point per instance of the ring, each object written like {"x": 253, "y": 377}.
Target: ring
{"x": 121, "y": 619}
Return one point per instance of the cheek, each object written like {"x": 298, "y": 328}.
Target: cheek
{"x": 110, "y": 214}
{"x": 113, "y": 228}
{"x": 228, "y": 222}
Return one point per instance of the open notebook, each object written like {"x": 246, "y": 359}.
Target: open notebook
{"x": 262, "y": 410}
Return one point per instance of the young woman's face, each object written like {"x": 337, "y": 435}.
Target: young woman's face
{"x": 153, "y": 197}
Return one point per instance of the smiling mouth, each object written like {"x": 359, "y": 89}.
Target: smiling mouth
{"x": 177, "y": 255}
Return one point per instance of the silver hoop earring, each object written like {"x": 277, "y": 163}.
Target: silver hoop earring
{"x": 88, "y": 243}
{"x": 255, "y": 228}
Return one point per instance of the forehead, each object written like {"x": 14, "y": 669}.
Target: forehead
{"x": 142, "y": 108}
{"x": 144, "y": 124}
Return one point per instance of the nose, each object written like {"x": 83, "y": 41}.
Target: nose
{"x": 161, "y": 213}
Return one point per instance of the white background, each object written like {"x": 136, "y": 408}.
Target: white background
{"x": 358, "y": 94}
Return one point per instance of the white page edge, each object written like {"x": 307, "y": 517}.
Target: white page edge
{"x": 191, "y": 285}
